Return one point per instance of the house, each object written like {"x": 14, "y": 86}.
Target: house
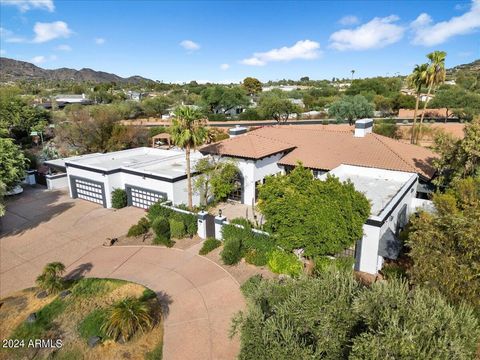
{"x": 72, "y": 99}
{"x": 391, "y": 195}
{"x": 276, "y": 149}
{"x": 391, "y": 174}
{"x": 135, "y": 95}
{"x": 148, "y": 175}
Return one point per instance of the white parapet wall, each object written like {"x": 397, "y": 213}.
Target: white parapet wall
{"x": 57, "y": 181}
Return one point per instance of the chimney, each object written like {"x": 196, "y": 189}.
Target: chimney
{"x": 237, "y": 130}
{"x": 363, "y": 127}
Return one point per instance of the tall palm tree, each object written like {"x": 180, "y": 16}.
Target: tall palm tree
{"x": 188, "y": 132}
{"x": 417, "y": 79}
{"x": 353, "y": 72}
{"x": 435, "y": 75}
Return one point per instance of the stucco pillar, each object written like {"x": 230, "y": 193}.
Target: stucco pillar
{"x": 202, "y": 224}
{"x": 219, "y": 220}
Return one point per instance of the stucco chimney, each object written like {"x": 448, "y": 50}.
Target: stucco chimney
{"x": 237, "y": 130}
{"x": 363, "y": 127}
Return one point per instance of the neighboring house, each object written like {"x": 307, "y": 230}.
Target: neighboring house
{"x": 135, "y": 95}
{"x": 72, "y": 99}
{"x": 146, "y": 174}
{"x": 285, "y": 88}
{"x": 298, "y": 102}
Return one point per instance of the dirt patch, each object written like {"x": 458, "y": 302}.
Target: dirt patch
{"x": 66, "y": 325}
{"x": 242, "y": 271}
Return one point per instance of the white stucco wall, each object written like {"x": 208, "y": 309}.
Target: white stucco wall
{"x": 180, "y": 193}
{"x": 368, "y": 260}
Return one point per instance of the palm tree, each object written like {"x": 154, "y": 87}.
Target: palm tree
{"x": 126, "y": 317}
{"x": 353, "y": 72}
{"x": 417, "y": 79}
{"x": 188, "y": 132}
{"x": 51, "y": 279}
{"x": 435, "y": 75}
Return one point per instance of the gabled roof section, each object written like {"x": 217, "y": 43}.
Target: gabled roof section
{"x": 248, "y": 146}
{"x": 326, "y": 147}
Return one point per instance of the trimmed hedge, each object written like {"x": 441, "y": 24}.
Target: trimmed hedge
{"x": 139, "y": 228}
{"x": 119, "y": 198}
{"x": 161, "y": 227}
{"x": 209, "y": 245}
{"x": 189, "y": 221}
{"x": 232, "y": 251}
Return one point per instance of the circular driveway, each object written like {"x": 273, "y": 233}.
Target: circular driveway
{"x": 198, "y": 296}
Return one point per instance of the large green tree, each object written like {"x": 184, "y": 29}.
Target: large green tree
{"x": 276, "y": 106}
{"x": 12, "y": 163}
{"x": 334, "y": 317}
{"x": 252, "y": 85}
{"x": 351, "y": 108}
{"x": 156, "y": 106}
{"x": 221, "y": 99}
{"x": 321, "y": 217}
{"x": 454, "y": 98}
{"x": 445, "y": 245}
{"x": 188, "y": 132}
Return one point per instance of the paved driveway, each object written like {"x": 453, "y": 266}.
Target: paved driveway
{"x": 198, "y": 296}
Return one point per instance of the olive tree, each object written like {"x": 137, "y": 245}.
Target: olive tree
{"x": 12, "y": 163}
{"x": 351, "y": 108}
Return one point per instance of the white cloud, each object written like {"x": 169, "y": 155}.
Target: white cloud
{"x": 64, "y": 47}
{"x": 189, "y": 45}
{"x": 428, "y": 34}
{"x": 25, "y": 5}
{"x": 349, "y": 20}
{"x": 100, "y": 41}
{"x": 303, "y": 49}
{"x": 48, "y": 31}
{"x": 9, "y": 37}
{"x": 224, "y": 66}
{"x": 377, "y": 33}
{"x": 38, "y": 59}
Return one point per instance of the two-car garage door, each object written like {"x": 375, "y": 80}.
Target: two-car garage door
{"x": 88, "y": 190}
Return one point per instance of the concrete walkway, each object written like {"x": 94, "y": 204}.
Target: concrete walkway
{"x": 199, "y": 297}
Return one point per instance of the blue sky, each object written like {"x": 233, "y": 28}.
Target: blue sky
{"x": 227, "y": 41}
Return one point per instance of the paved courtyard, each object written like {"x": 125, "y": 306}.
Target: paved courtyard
{"x": 199, "y": 297}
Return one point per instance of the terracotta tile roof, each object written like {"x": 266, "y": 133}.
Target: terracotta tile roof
{"x": 326, "y": 147}
{"x": 250, "y": 146}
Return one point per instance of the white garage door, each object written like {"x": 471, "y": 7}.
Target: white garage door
{"x": 88, "y": 190}
{"x": 143, "y": 198}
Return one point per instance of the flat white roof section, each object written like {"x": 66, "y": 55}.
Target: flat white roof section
{"x": 165, "y": 163}
{"x": 379, "y": 186}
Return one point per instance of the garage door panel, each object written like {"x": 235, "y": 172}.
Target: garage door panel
{"x": 88, "y": 190}
{"x": 143, "y": 198}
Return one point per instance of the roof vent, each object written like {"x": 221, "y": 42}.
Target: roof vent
{"x": 237, "y": 130}
{"x": 363, "y": 127}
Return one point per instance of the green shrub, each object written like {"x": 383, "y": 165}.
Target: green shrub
{"x": 157, "y": 210}
{"x": 322, "y": 263}
{"x": 251, "y": 285}
{"x": 91, "y": 325}
{"x": 250, "y": 114}
{"x": 190, "y": 224}
{"x": 256, "y": 257}
{"x": 281, "y": 262}
{"x": 126, "y": 317}
{"x": 209, "y": 245}
{"x": 392, "y": 271}
{"x": 161, "y": 228}
{"x": 345, "y": 263}
{"x": 148, "y": 294}
{"x": 232, "y": 251}
{"x": 51, "y": 279}
{"x": 217, "y": 117}
{"x": 386, "y": 129}
{"x": 177, "y": 228}
{"x": 119, "y": 198}
{"x": 139, "y": 228}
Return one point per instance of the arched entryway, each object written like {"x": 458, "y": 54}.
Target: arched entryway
{"x": 237, "y": 193}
